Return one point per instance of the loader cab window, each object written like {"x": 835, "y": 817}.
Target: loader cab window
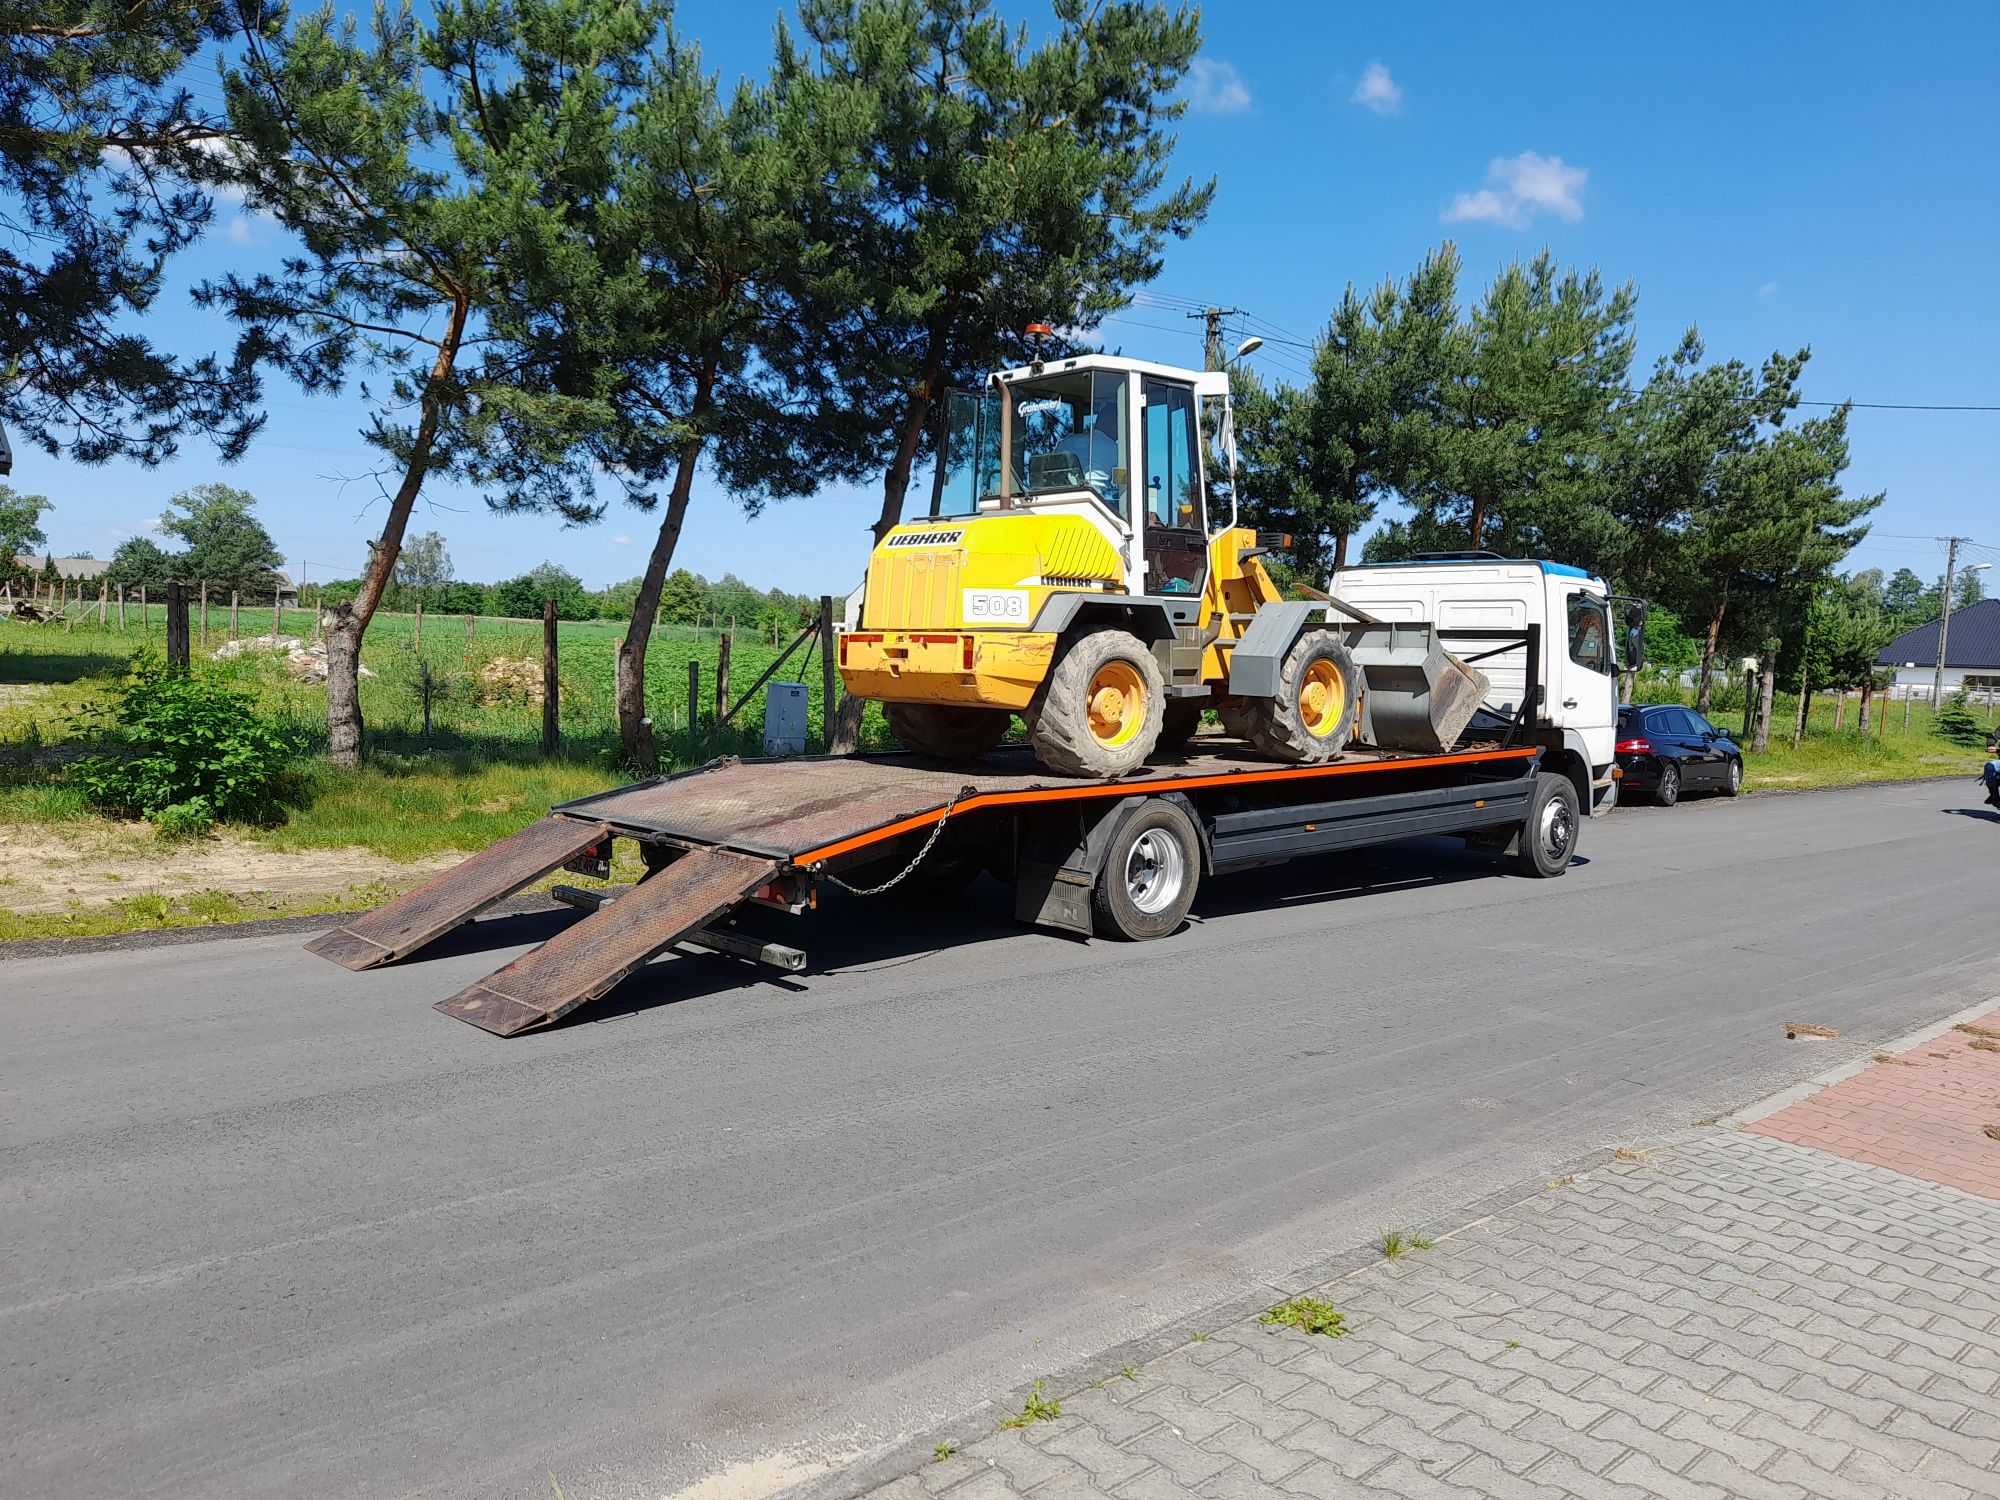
{"x": 1176, "y": 541}
{"x": 1070, "y": 432}
{"x": 968, "y": 458}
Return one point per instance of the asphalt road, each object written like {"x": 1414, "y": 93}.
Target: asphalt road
{"x": 269, "y": 1228}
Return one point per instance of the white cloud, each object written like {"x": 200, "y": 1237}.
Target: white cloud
{"x": 1520, "y": 187}
{"x": 240, "y": 232}
{"x": 1767, "y": 289}
{"x": 1377, "y": 91}
{"x": 1216, "y": 88}
{"x": 621, "y": 540}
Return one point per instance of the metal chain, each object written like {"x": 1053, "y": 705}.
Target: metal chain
{"x": 909, "y": 869}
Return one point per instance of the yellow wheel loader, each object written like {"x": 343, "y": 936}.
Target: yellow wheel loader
{"x": 1071, "y": 572}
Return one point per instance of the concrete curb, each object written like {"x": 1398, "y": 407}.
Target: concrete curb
{"x": 873, "y": 1470}
{"x": 1750, "y": 1114}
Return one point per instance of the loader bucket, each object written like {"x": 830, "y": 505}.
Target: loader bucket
{"x": 1420, "y": 696}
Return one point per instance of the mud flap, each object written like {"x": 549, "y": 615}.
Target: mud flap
{"x": 584, "y": 961}
{"x": 435, "y": 907}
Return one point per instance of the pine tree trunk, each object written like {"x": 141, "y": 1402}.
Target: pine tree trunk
{"x": 1861, "y": 714}
{"x": 1475, "y": 527}
{"x": 1767, "y": 691}
{"x": 635, "y": 726}
{"x": 1708, "y": 644}
{"x": 896, "y": 482}
{"x": 345, "y": 624}
{"x": 1339, "y": 550}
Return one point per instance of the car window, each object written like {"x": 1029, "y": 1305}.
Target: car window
{"x": 1589, "y": 637}
{"x": 1698, "y": 724}
{"x": 1629, "y": 719}
{"x": 1667, "y": 721}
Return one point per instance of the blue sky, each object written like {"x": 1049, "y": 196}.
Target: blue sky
{"x": 1782, "y": 175}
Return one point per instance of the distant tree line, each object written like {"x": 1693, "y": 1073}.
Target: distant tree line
{"x": 1510, "y": 422}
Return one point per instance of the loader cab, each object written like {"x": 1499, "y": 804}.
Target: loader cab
{"x": 1118, "y": 440}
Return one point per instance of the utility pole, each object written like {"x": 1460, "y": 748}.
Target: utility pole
{"x": 1211, "y": 347}
{"x": 1944, "y": 621}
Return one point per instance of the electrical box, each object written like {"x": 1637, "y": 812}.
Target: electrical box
{"x": 785, "y": 718}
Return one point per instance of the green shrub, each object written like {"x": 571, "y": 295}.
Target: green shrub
{"x": 192, "y": 750}
{"x": 1955, "y": 722}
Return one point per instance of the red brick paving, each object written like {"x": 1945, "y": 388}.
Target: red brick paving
{"x": 1924, "y": 1115}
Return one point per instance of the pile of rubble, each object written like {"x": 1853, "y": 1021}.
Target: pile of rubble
{"x": 302, "y": 663}
{"x": 508, "y": 679}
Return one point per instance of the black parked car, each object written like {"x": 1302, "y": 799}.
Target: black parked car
{"x": 1666, "y": 750}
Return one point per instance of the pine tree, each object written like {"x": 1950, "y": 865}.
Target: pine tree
{"x": 1007, "y": 184}
{"x": 104, "y": 158}
{"x": 1529, "y": 379}
{"x": 443, "y": 180}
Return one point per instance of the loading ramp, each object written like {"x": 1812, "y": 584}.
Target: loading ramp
{"x": 768, "y": 830}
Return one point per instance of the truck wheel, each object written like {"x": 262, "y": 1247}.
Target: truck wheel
{"x": 1183, "y": 719}
{"x": 946, "y": 731}
{"x": 1149, "y": 876}
{"x": 1100, "y": 711}
{"x": 1548, "y": 837}
{"x": 1312, "y": 715}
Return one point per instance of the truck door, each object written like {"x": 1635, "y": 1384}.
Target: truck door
{"x": 1583, "y": 694}
{"x": 1176, "y": 527}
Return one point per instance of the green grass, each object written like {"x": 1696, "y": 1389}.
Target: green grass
{"x": 1037, "y": 1408}
{"x": 152, "y": 912}
{"x": 1308, "y": 1315}
{"x": 1392, "y": 1244}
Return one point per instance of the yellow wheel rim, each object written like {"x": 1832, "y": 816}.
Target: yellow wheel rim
{"x": 1322, "y": 698}
{"x": 1117, "y": 704}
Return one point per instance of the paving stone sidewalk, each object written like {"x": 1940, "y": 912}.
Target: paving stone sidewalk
{"x": 1734, "y": 1315}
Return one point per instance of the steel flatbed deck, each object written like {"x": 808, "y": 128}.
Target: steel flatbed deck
{"x": 773, "y": 831}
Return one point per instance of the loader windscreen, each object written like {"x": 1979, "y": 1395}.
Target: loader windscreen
{"x": 1069, "y": 432}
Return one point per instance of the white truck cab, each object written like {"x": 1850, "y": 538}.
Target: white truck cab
{"x": 1486, "y": 609}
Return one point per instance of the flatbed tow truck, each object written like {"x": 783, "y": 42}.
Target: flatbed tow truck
{"x": 1121, "y": 857}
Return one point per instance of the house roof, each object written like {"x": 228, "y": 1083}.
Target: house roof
{"x": 1974, "y": 641}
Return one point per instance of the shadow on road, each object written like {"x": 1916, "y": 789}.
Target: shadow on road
{"x": 1983, "y": 814}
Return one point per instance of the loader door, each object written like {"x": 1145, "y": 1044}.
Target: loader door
{"x": 1176, "y": 524}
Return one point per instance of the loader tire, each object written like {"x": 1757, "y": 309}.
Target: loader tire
{"x": 1182, "y": 720}
{"x": 946, "y": 731}
{"x": 1101, "y": 709}
{"x": 1312, "y": 716}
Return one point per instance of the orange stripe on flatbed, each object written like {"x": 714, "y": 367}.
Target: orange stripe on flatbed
{"x": 1167, "y": 784}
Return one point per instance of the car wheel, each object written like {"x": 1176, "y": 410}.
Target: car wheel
{"x": 1668, "y": 790}
{"x": 1732, "y": 783}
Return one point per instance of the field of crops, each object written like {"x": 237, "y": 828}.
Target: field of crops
{"x": 475, "y": 707}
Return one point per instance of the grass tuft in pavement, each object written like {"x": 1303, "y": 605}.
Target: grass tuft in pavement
{"x": 1037, "y": 1408}
{"x": 1308, "y": 1315}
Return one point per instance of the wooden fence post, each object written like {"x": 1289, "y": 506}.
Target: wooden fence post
{"x": 204, "y": 614}
{"x": 145, "y": 615}
{"x": 235, "y": 598}
{"x": 103, "y": 603}
{"x": 694, "y": 696}
{"x": 121, "y": 609}
{"x": 468, "y": 640}
{"x": 417, "y": 631}
{"x": 551, "y": 688}
{"x": 277, "y": 612}
{"x": 177, "y": 625}
{"x": 722, "y": 679}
